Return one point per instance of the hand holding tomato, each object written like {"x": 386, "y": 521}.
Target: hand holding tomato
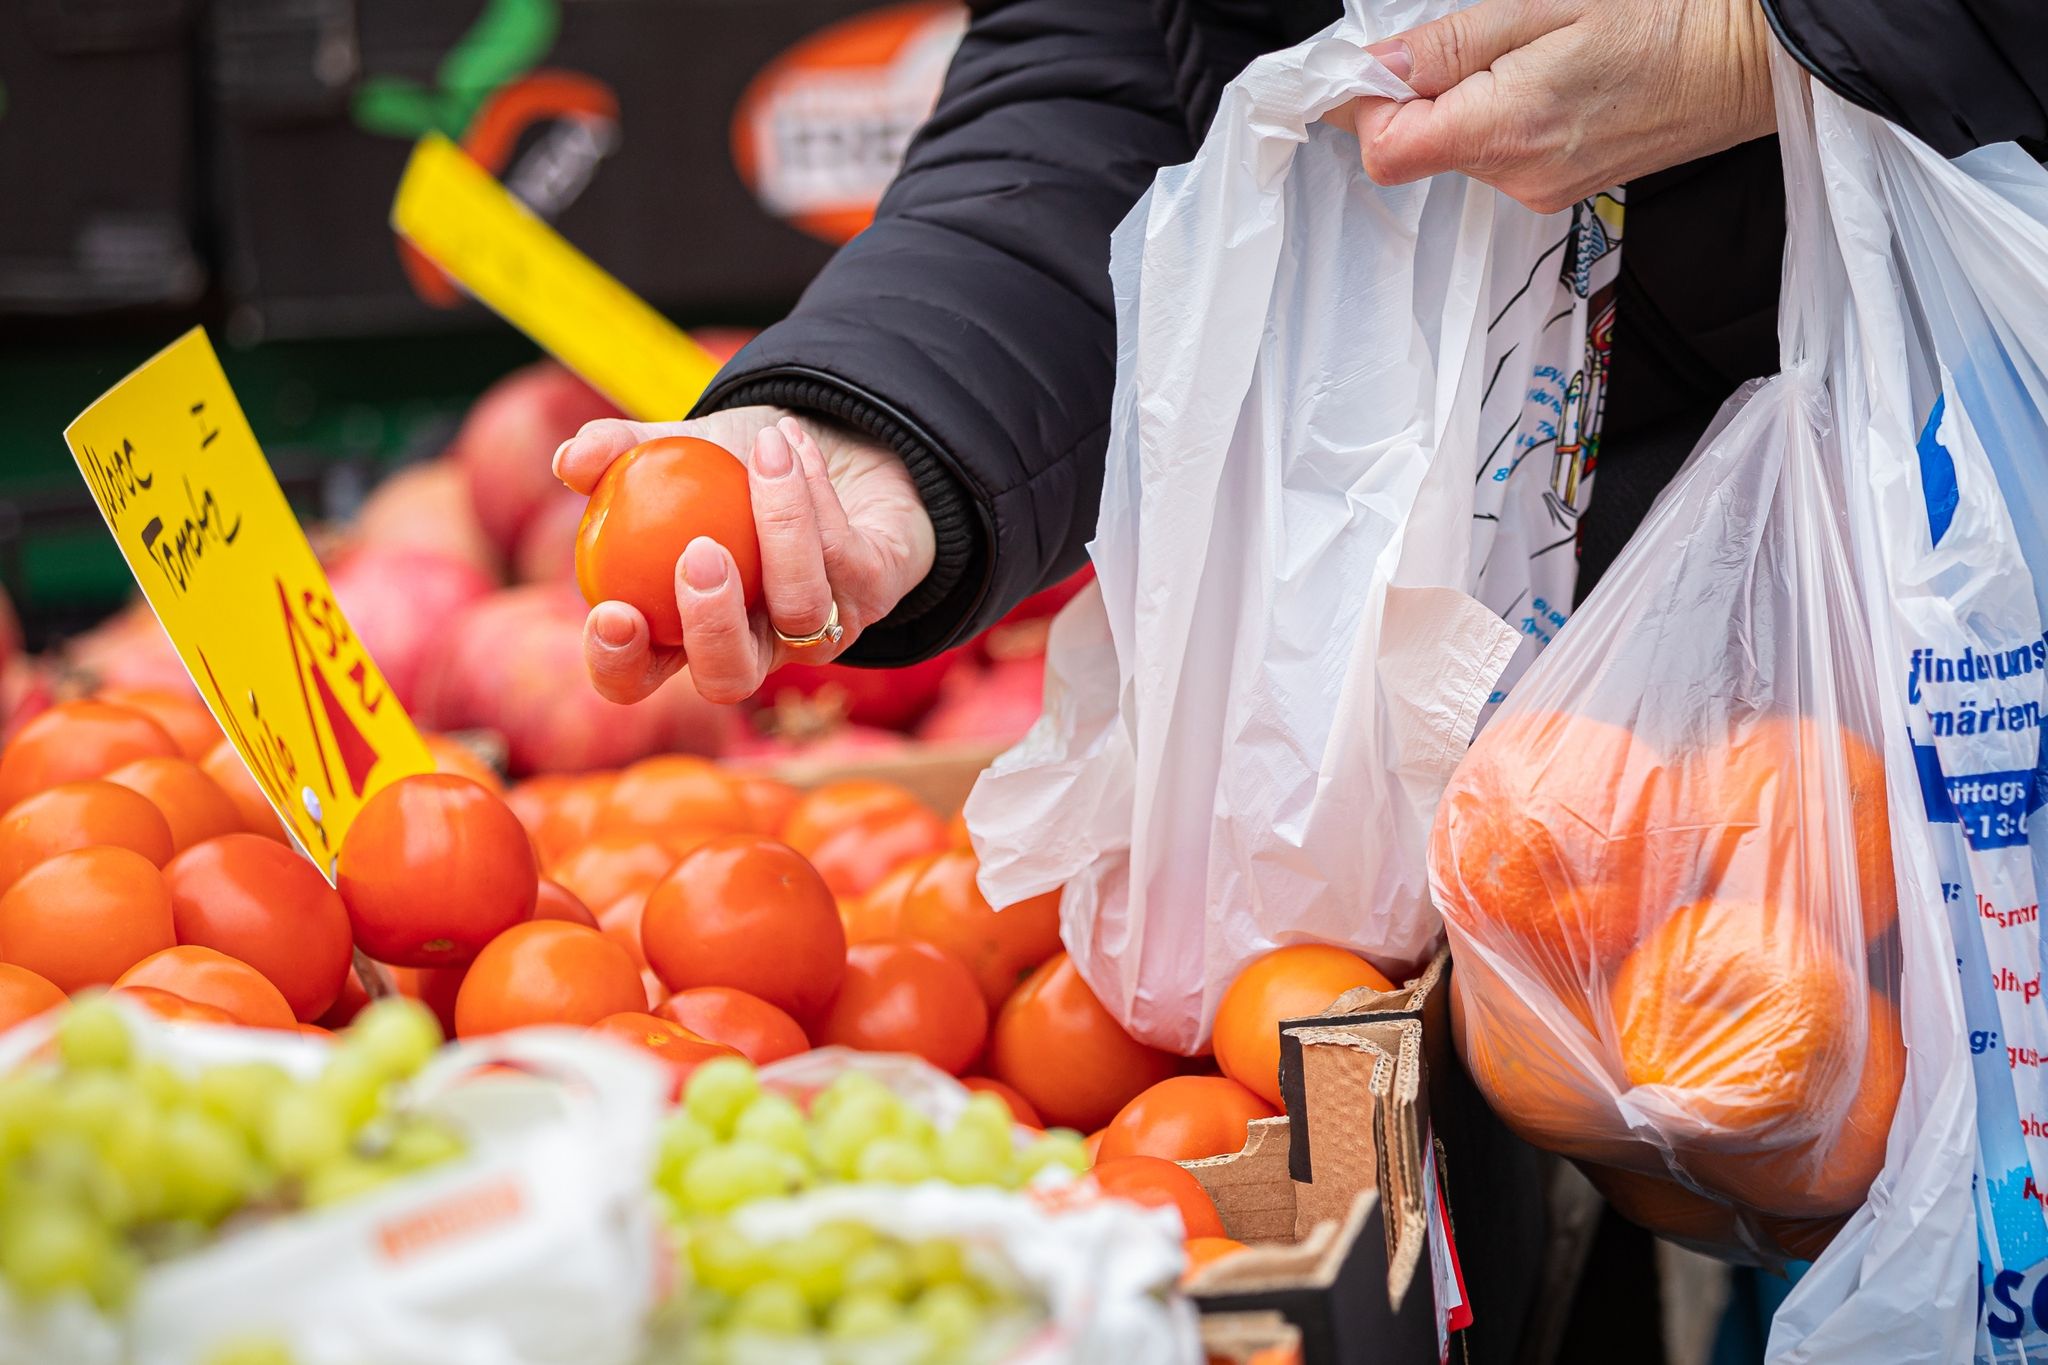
{"x": 837, "y": 518}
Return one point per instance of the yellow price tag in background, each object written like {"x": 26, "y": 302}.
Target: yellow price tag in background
{"x": 515, "y": 264}
{"x": 199, "y": 517}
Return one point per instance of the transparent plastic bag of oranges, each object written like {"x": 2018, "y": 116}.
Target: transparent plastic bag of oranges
{"x": 1665, "y": 865}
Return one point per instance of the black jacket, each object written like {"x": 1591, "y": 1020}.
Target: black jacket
{"x": 971, "y": 327}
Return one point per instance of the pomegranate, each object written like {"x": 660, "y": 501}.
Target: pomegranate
{"x": 398, "y": 601}
{"x": 838, "y": 744}
{"x": 996, "y": 704}
{"x": 513, "y": 662}
{"x": 507, "y": 445}
{"x": 547, "y": 547}
{"x": 130, "y": 649}
{"x": 888, "y": 698}
{"x": 426, "y": 507}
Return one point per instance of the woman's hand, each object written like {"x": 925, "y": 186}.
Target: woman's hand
{"x": 839, "y": 521}
{"x": 1549, "y": 101}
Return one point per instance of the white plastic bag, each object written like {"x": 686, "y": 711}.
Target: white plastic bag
{"x": 538, "y": 1247}
{"x": 1341, "y": 411}
{"x": 1923, "y": 284}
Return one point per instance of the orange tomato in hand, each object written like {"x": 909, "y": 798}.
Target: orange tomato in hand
{"x": 24, "y": 995}
{"x": 192, "y": 803}
{"x": 944, "y": 906}
{"x": 1020, "y": 1108}
{"x": 84, "y": 917}
{"x": 1287, "y": 983}
{"x": 1066, "y": 1054}
{"x": 258, "y": 901}
{"x": 231, "y": 775}
{"x": 182, "y": 715}
{"x": 747, "y": 912}
{"x": 433, "y": 868}
{"x": 1161, "y": 1184}
{"x": 907, "y": 997}
{"x": 824, "y": 811}
{"x": 1185, "y": 1118}
{"x": 855, "y": 858}
{"x": 546, "y": 972}
{"x": 206, "y": 977}
{"x": 79, "y": 815}
{"x": 651, "y": 503}
{"x": 74, "y": 741}
{"x": 746, "y": 1023}
{"x": 555, "y": 901}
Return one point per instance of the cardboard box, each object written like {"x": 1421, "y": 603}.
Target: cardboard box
{"x": 940, "y": 775}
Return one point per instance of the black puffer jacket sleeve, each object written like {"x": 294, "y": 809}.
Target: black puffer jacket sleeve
{"x": 972, "y": 327}
{"x": 1956, "y": 73}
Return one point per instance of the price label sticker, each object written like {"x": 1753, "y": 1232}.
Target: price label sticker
{"x": 199, "y": 516}
{"x": 511, "y": 261}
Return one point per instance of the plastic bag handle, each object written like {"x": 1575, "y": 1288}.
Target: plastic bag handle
{"x": 1814, "y": 285}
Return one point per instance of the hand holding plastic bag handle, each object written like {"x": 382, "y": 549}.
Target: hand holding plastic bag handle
{"x": 1549, "y": 101}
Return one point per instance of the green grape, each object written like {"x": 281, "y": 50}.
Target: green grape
{"x": 209, "y": 1170}
{"x": 725, "y": 1177}
{"x": 938, "y": 1262}
{"x": 718, "y": 1091}
{"x": 682, "y": 1137}
{"x": 862, "y": 1316}
{"x": 241, "y": 1093}
{"x": 894, "y": 1161}
{"x": 134, "y": 1156}
{"x": 351, "y": 1087}
{"x": 47, "y": 1248}
{"x": 971, "y": 1155}
{"x": 881, "y": 1269}
{"x": 986, "y": 1114}
{"x": 418, "y": 1144}
{"x": 28, "y": 1105}
{"x": 723, "y": 1260}
{"x": 93, "y": 1104}
{"x": 950, "y": 1314}
{"x": 300, "y": 1134}
{"x": 395, "y": 1036}
{"x": 816, "y": 1264}
{"x": 1062, "y": 1147}
{"x": 251, "y": 1350}
{"x": 92, "y": 1035}
{"x": 910, "y": 1126}
{"x": 853, "y": 1125}
{"x": 770, "y": 1306}
{"x": 346, "y": 1178}
{"x": 161, "y": 1084}
{"x": 845, "y": 1086}
{"x": 775, "y": 1121}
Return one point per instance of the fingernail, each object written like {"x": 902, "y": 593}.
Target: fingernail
{"x": 792, "y": 431}
{"x": 773, "y": 458}
{"x": 614, "y": 629}
{"x": 1395, "y": 57}
{"x": 560, "y": 450}
{"x": 703, "y": 565}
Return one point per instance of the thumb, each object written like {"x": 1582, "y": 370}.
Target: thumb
{"x": 1435, "y": 56}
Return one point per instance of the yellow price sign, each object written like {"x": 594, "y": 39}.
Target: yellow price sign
{"x": 510, "y": 260}
{"x": 197, "y": 512}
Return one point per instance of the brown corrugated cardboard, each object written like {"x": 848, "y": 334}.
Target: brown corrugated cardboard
{"x": 940, "y": 775}
{"x": 1250, "y": 1338}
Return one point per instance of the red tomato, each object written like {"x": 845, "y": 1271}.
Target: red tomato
{"x": 258, "y": 901}
{"x": 1287, "y": 983}
{"x": 206, "y": 977}
{"x": 651, "y": 503}
{"x": 879, "y": 914}
{"x": 433, "y": 868}
{"x": 747, "y": 912}
{"x": 84, "y": 917}
{"x": 231, "y": 775}
{"x": 758, "y": 1030}
{"x": 956, "y": 831}
{"x": 74, "y": 741}
{"x": 1020, "y": 1108}
{"x": 175, "y": 1008}
{"x": 316, "y": 1031}
{"x": 768, "y": 802}
{"x": 1185, "y": 1118}
{"x": 1064, "y": 1052}
{"x": 560, "y": 810}
{"x": 1204, "y": 1251}
{"x": 620, "y": 922}
{"x": 350, "y": 1002}
{"x": 857, "y": 857}
{"x": 674, "y": 794}
{"x": 667, "y": 1041}
{"x": 546, "y": 972}
{"x": 192, "y": 803}
{"x": 24, "y": 995}
{"x": 823, "y": 811}
{"x": 907, "y": 997}
{"x": 451, "y": 755}
{"x": 183, "y": 716}
{"x": 1160, "y": 1184}
{"x": 944, "y": 906}
{"x": 615, "y": 865}
{"x": 79, "y": 815}
{"x": 434, "y": 987}
{"x": 556, "y": 901}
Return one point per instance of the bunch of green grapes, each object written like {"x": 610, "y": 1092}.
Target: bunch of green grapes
{"x": 843, "y": 1295}
{"x": 110, "y": 1161}
{"x": 731, "y": 1142}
